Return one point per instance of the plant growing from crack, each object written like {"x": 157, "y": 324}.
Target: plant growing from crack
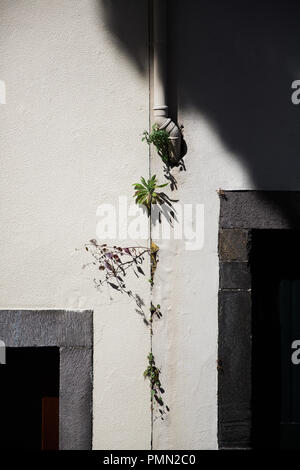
{"x": 114, "y": 262}
{"x": 154, "y": 312}
{"x": 153, "y": 374}
{"x": 146, "y": 193}
{"x": 161, "y": 140}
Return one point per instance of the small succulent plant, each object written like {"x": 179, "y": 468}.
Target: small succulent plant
{"x": 146, "y": 192}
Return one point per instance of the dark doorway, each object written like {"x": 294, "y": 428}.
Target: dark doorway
{"x": 275, "y": 269}
{"x": 29, "y": 391}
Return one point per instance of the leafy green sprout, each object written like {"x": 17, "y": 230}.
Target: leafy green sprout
{"x": 152, "y": 373}
{"x": 160, "y": 139}
{"x": 146, "y": 192}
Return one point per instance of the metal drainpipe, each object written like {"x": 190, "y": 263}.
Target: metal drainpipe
{"x": 160, "y": 108}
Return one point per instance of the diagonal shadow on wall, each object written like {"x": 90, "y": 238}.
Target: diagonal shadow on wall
{"x": 237, "y": 62}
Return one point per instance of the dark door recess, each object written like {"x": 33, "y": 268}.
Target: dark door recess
{"x": 275, "y": 267}
{"x": 29, "y": 391}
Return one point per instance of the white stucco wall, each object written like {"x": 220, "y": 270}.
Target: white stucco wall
{"x": 185, "y": 339}
{"x": 70, "y": 140}
{"x": 76, "y": 105}
{"x": 241, "y": 132}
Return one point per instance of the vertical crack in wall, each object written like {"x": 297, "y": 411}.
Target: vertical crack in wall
{"x": 150, "y": 68}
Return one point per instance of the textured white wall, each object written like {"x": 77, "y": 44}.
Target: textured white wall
{"x": 185, "y": 339}
{"x": 70, "y": 140}
{"x": 231, "y": 70}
